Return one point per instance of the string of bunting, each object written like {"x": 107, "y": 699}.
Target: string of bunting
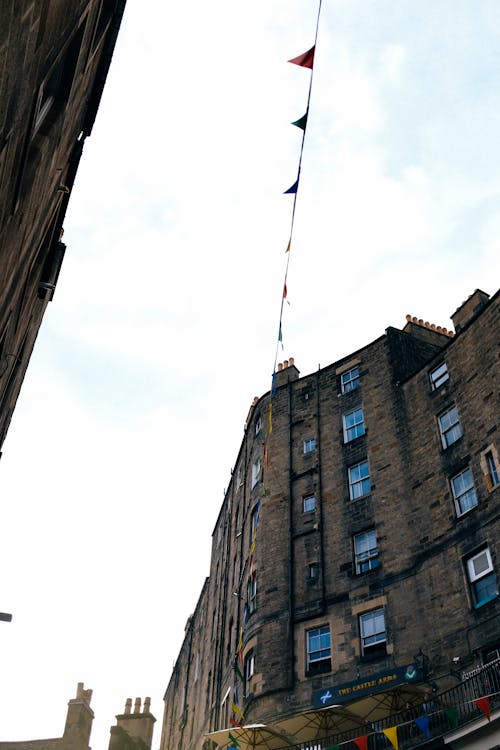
{"x": 305, "y": 60}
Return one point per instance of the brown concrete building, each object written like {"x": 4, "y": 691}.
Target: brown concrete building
{"x": 133, "y": 730}
{"x": 54, "y": 58}
{"x": 354, "y": 579}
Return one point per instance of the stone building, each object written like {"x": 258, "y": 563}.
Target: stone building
{"x": 353, "y": 593}
{"x": 133, "y": 730}
{"x": 54, "y": 58}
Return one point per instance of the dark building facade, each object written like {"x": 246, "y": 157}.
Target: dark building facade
{"x": 54, "y": 58}
{"x": 355, "y": 568}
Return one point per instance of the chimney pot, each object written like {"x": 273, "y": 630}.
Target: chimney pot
{"x": 285, "y": 363}
{"x": 291, "y": 361}
{"x": 280, "y": 367}
{"x": 147, "y": 705}
{"x": 408, "y": 318}
{"x": 128, "y": 705}
{"x": 137, "y": 706}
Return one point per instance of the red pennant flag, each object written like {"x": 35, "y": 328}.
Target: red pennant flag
{"x": 266, "y": 457}
{"x": 284, "y": 290}
{"x": 234, "y": 723}
{"x": 362, "y": 742}
{"x": 306, "y": 60}
{"x": 484, "y": 705}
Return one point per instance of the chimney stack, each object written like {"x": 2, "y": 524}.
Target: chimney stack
{"x": 133, "y": 726}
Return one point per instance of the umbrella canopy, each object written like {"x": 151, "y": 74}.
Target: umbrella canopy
{"x": 251, "y": 736}
{"x": 326, "y": 722}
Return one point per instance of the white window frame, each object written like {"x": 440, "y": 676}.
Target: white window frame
{"x": 309, "y": 445}
{"x": 366, "y": 551}
{"x": 357, "y": 428}
{"x": 308, "y": 500}
{"x": 474, "y": 576}
{"x": 321, "y": 652}
{"x": 258, "y": 425}
{"x": 492, "y": 468}
{"x": 350, "y": 380}
{"x": 438, "y": 376}
{"x": 450, "y": 429}
{"x": 256, "y": 468}
{"x": 356, "y": 481}
{"x": 380, "y": 636}
{"x": 463, "y": 491}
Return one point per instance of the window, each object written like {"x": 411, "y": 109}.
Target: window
{"x": 350, "y": 380}
{"x": 258, "y": 425}
{"x": 252, "y": 593}
{"x": 372, "y": 632}
{"x": 359, "y": 480}
{"x": 318, "y": 646}
{"x": 313, "y": 571}
{"x": 438, "y": 376}
{"x": 308, "y": 503}
{"x": 249, "y": 670}
{"x": 309, "y": 445}
{"x": 464, "y": 493}
{"x": 490, "y": 464}
{"x": 255, "y": 472}
{"x": 365, "y": 551}
{"x": 449, "y": 426}
{"x": 354, "y": 425}
{"x": 254, "y": 522}
{"x": 482, "y": 578}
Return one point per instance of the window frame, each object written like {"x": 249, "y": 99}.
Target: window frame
{"x": 362, "y": 557}
{"x": 474, "y": 578}
{"x": 324, "y": 660}
{"x": 313, "y": 572}
{"x": 444, "y": 432}
{"x": 347, "y": 383}
{"x": 309, "y": 445}
{"x": 248, "y": 670}
{"x": 252, "y": 593}
{"x": 348, "y": 429}
{"x": 305, "y": 498}
{"x": 437, "y": 379}
{"x": 374, "y": 649}
{"x": 459, "y": 496}
{"x": 256, "y": 471}
{"x": 359, "y": 481}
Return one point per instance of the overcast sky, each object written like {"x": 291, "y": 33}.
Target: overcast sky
{"x": 164, "y": 324}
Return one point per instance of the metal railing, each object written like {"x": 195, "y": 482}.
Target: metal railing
{"x": 446, "y": 712}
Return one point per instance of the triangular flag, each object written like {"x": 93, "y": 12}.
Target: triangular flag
{"x": 362, "y": 742}
{"x": 333, "y": 747}
{"x": 452, "y": 714}
{"x": 288, "y": 246}
{"x": 301, "y": 122}
{"x": 235, "y": 723}
{"x": 266, "y": 454}
{"x": 423, "y": 724}
{"x": 293, "y": 189}
{"x": 280, "y": 335}
{"x": 392, "y": 735}
{"x": 273, "y": 385}
{"x": 237, "y": 711}
{"x": 284, "y": 290}
{"x": 238, "y": 672}
{"x": 305, "y": 60}
{"x": 270, "y": 417}
{"x": 233, "y": 739}
{"x": 484, "y": 705}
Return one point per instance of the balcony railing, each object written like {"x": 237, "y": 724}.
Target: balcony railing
{"x": 437, "y": 716}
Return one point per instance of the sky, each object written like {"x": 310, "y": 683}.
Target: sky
{"x": 164, "y": 324}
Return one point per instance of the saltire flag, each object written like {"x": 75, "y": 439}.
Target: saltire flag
{"x": 270, "y": 417}
{"x": 423, "y": 724}
{"x": 306, "y": 60}
{"x": 301, "y": 122}
{"x": 273, "y": 391}
{"x": 233, "y": 739}
{"x": 293, "y": 189}
{"x": 452, "y": 714}
{"x": 362, "y": 742}
{"x": 484, "y": 705}
{"x": 392, "y": 735}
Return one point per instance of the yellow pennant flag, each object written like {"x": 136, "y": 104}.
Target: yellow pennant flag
{"x": 237, "y": 711}
{"x": 392, "y": 736}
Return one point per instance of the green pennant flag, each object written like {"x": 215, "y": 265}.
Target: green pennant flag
{"x": 233, "y": 739}
{"x": 333, "y": 747}
{"x": 452, "y": 714}
{"x": 238, "y": 672}
{"x": 301, "y": 122}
